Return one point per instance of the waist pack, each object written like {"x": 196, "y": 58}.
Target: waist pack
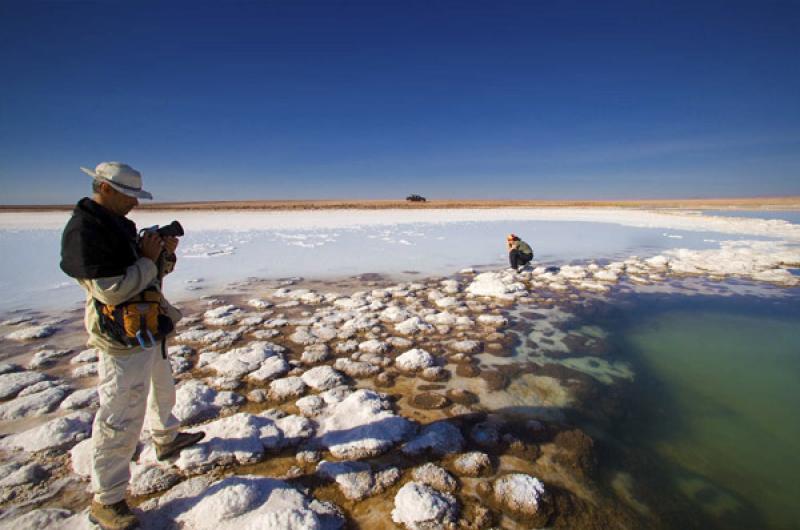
{"x": 139, "y": 321}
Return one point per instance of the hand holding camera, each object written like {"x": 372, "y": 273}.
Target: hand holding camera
{"x": 154, "y": 240}
{"x": 150, "y": 245}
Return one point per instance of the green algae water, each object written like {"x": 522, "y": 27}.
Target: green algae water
{"x": 715, "y": 408}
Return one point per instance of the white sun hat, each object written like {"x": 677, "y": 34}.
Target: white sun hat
{"x": 121, "y": 177}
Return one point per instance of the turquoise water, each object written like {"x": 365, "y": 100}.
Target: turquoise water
{"x": 711, "y": 429}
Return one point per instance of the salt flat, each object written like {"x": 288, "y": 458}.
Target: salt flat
{"x": 221, "y": 247}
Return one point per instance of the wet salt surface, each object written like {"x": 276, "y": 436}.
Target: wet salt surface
{"x": 220, "y": 247}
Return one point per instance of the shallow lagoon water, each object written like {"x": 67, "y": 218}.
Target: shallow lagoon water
{"x": 710, "y": 431}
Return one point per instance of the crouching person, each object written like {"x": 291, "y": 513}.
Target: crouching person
{"x": 128, "y": 321}
{"x": 519, "y": 252}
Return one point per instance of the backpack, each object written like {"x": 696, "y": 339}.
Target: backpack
{"x": 140, "y": 320}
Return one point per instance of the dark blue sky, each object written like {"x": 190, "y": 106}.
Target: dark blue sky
{"x": 293, "y": 100}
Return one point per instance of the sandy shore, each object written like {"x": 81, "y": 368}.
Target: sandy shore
{"x": 749, "y": 203}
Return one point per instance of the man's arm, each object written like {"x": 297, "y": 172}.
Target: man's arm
{"x": 114, "y": 290}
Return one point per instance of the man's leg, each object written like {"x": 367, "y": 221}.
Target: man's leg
{"x": 118, "y": 423}
{"x": 162, "y": 424}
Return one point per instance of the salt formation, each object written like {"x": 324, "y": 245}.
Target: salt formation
{"x": 86, "y": 397}
{"x": 12, "y": 382}
{"x": 238, "y": 362}
{"x": 241, "y": 438}
{"x": 520, "y": 494}
{"x": 358, "y": 480}
{"x": 473, "y": 464}
{"x": 195, "y": 400}
{"x": 436, "y": 477}
{"x": 32, "y": 332}
{"x": 239, "y": 502}
{"x": 420, "y": 507}
{"x": 38, "y": 402}
{"x": 286, "y": 388}
{"x": 359, "y": 425}
{"x": 322, "y": 378}
{"x": 415, "y": 360}
{"x": 54, "y": 435}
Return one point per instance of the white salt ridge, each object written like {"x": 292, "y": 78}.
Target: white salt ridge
{"x": 241, "y": 439}
{"x": 85, "y": 370}
{"x": 270, "y": 369}
{"x": 83, "y": 398}
{"x": 6, "y": 368}
{"x": 243, "y": 221}
{"x": 322, "y": 378}
{"x": 357, "y": 369}
{"x": 16, "y": 321}
{"x": 56, "y": 434}
{"x": 473, "y": 464}
{"x": 12, "y": 383}
{"x": 358, "y": 480}
{"x": 238, "y": 362}
{"x": 420, "y": 507}
{"x": 316, "y": 353}
{"x": 36, "y": 404}
{"x": 412, "y": 326}
{"x": 46, "y": 357}
{"x": 394, "y": 314}
{"x": 15, "y": 474}
{"x": 436, "y": 477}
{"x": 360, "y": 425}
{"x": 195, "y": 400}
{"x": 464, "y": 346}
{"x": 89, "y": 355}
{"x": 49, "y": 518}
{"x": 519, "y": 492}
{"x": 259, "y": 303}
{"x": 760, "y": 260}
{"x": 32, "y": 333}
{"x": 215, "y": 339}
{"x": 237, "y": 503}
{"x": 373, "y": 346}
{"x": 415, "y": 360}
{"x": 495, "y": 284}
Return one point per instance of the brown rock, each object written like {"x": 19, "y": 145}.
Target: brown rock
{"x": 428, "y": 400}
{"x": 385, "y": 379}
{"x": 495, "y": 379}
{"x": 461, "y": 396}
{"x": 475, "y": 516}
{"x": 575, "y": 451}
{"x": 468, "y": 370}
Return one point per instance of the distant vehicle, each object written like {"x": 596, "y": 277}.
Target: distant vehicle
{"x": 416, "y": 198}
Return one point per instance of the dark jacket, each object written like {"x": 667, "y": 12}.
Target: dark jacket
{"x": 97, "y": 243}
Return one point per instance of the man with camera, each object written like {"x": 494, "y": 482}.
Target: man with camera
{"x": 128, "y": 321}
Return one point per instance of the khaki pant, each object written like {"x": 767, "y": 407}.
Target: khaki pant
{"x": 130, "y": 386}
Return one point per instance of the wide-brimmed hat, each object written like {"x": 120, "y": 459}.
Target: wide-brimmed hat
{"x": 121, "y": 177}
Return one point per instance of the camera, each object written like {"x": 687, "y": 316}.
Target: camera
{"x": 173, "y": 229}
